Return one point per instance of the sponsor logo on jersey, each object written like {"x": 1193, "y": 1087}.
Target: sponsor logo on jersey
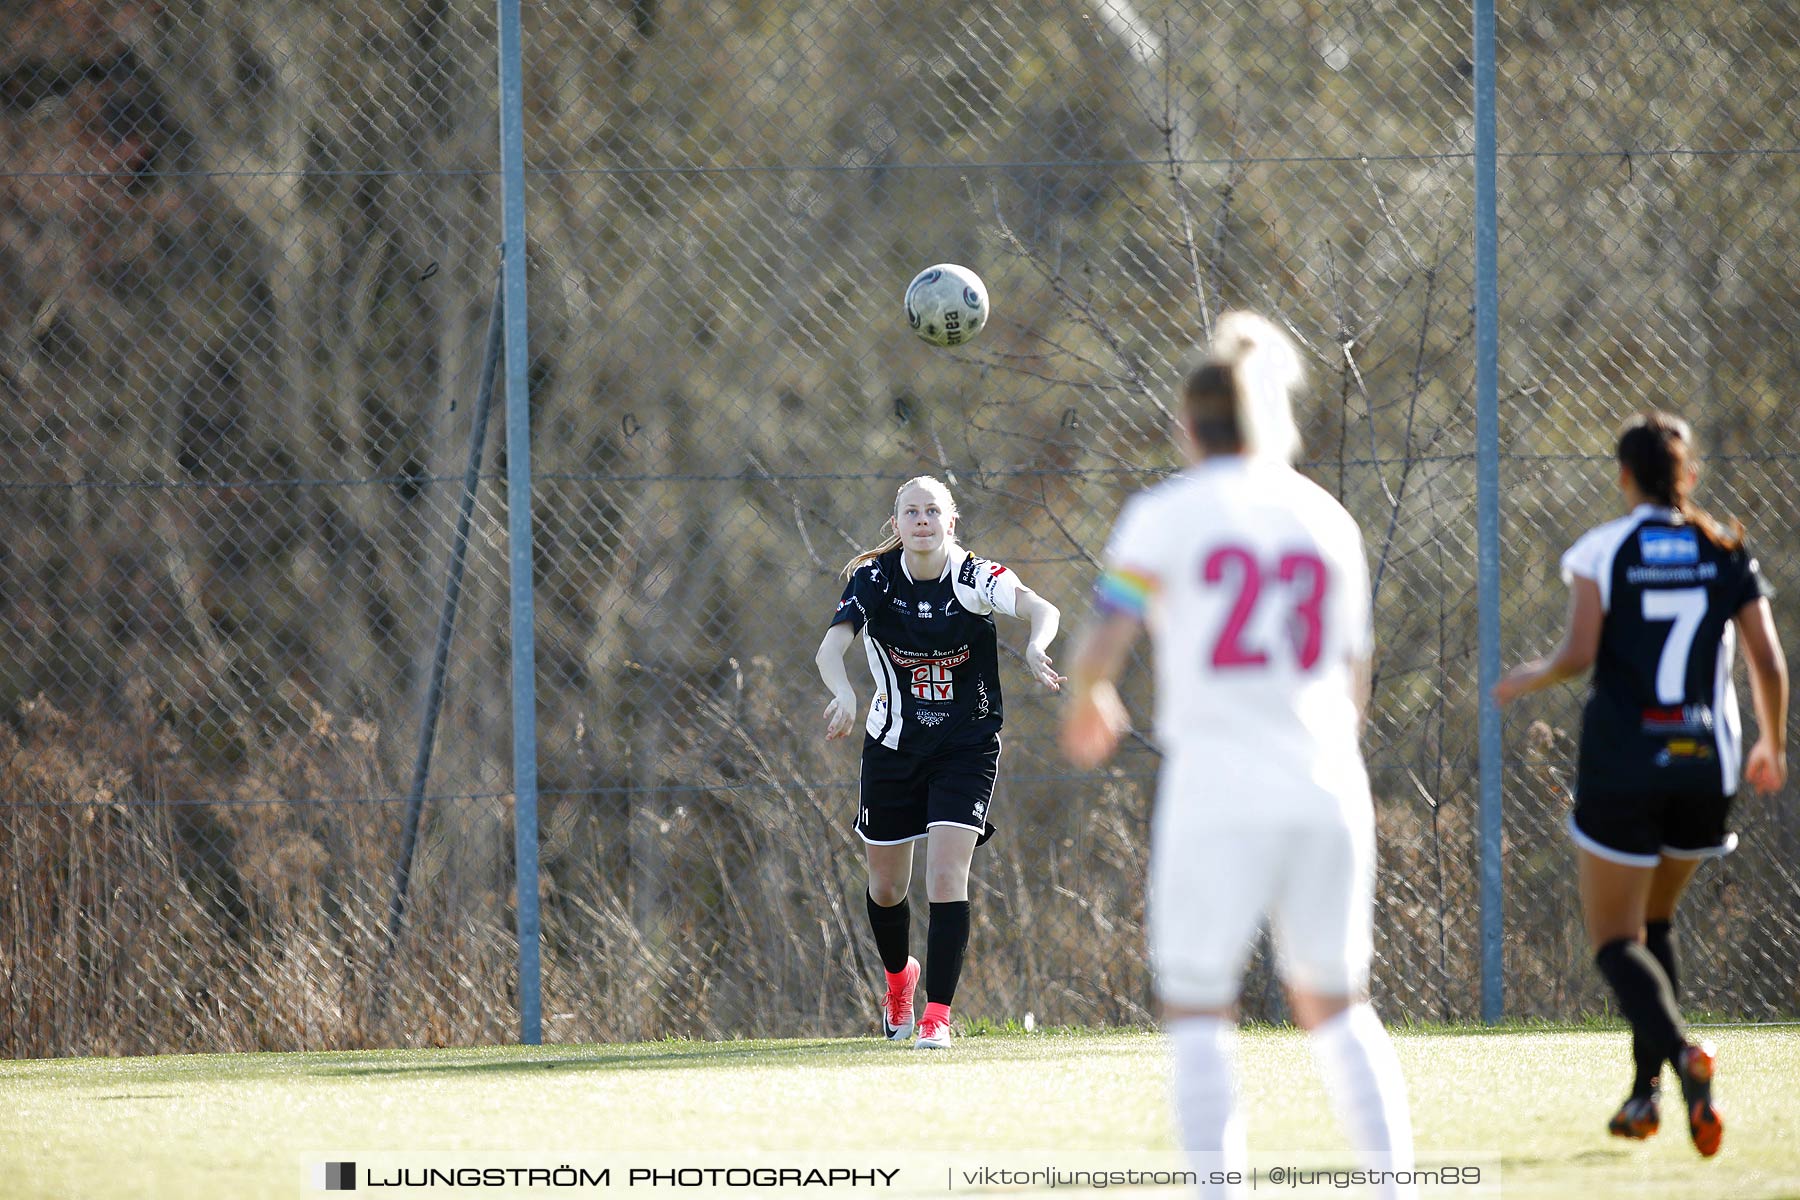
{"x": 1683, "y": 750}
{"x": 982, "y": 706}
{"x": 966, "y": 576}
{"x": 924, "y": 608}
{"x": 1685, "y": 718}
{"x": 1679, "y": 573}
{"x": 933, "y": 682}
{"x": 911, "y": 658}
{"x": 930, "y": 677}
{"x": 980, "y": 809}
{"x": 1668, "y": 546}
{"x": 931, "y": 720}
{"x": 992, "y": 583}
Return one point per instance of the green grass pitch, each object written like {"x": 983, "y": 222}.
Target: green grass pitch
{"x": 242, "y": 1125}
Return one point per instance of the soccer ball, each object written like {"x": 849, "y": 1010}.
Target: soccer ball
{"x": 946, "y": 304}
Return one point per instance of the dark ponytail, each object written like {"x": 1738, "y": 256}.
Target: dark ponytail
{"x": 1209, "y": 401}
{"x": 1658, "y": 450}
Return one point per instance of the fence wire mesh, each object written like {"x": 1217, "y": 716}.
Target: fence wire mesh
{"x": 249, "y": 251}
{"x": 248, "y": 260}
{"x": 1647, "y": 183}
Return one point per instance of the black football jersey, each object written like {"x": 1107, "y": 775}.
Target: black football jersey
{"x": 931, "y": 648}
{"x": 1662, "y": 713}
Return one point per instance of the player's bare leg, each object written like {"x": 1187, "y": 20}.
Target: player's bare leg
{"x": 1696, "y": 1064}
{"x": 1615, "y": 901}
{"x": 1640, "y": 1116}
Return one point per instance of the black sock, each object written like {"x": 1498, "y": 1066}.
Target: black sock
{"x": 1638, "y": 981}
{"x": 1646, "y": 1064}
{"x": 892, "y": 924}
{"x": 1659, "y": 940}
{"x": 946, "y": 939}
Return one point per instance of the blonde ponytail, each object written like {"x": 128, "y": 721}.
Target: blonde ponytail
{"x": 890, "y": 542}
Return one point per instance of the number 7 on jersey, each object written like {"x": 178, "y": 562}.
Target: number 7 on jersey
{"x": 1686, "y": 607}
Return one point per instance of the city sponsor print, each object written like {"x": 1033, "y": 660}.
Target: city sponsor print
{"x": 930, "y": 675}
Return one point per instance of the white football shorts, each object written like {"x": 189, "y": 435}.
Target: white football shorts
{"x": 1213, "y": 884}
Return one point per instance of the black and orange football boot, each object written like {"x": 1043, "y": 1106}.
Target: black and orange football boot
{"x": 1695, "y": 1065}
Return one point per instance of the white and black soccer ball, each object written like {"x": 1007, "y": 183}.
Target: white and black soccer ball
{"x": 946, "y": 304}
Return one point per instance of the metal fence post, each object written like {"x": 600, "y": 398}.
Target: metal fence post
{"x": 518, "y": 520}
{"x": 1487, "y": 519}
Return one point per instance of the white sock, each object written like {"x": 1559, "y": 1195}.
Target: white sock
{"x": 1206, "y": 1098}
{"x": 1362, "y": 1073}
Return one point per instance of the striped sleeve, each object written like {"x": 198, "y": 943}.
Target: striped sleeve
{"x": 1124, "y": 590}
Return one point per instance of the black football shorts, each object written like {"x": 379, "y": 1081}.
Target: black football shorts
{"x": 903, "y": 795}
{"x": 1640, "y": 827}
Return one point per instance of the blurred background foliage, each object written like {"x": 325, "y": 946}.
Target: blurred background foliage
{"x": 248, "y": 248}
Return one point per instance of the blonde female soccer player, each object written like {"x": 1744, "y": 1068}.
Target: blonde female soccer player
{"x": 1252, "y": 582}
{"x": 1655, "y": 599}
{"x": 931, "y": 736}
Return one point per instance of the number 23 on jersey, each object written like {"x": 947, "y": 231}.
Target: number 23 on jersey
{"x": 1297, "y": 582}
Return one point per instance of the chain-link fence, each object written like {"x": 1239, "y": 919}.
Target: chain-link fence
{"x": 250, "y": 252}
{"x": 1649, "y": 242}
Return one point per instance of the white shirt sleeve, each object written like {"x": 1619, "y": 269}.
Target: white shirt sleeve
{"x": 998, "y": 588}
{"x": 985, "y": 586}
{"x": 1134, "y": 560}
{"x": 1583, "y": 558}
{"x": 1593, "y": 555}
{"x": 1136, "y": 544}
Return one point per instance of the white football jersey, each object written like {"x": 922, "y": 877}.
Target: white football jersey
{"x": 1253, "y": 584}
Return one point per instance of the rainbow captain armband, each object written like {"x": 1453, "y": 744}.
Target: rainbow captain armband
{"x": 1124, "y": 592}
